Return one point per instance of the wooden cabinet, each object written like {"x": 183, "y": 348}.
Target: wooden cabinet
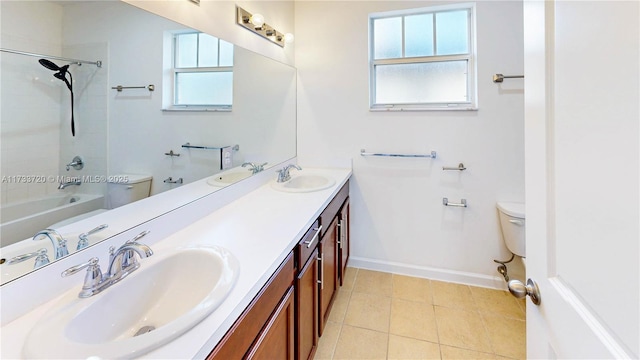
{"x": 252, "y": 325}
{"x": 277, "y": 340}
{"x": 287, "y": 317}
{"x": 307, "y": 308}
{"x": 344, "y": 245}
{"x": 332, "y": 245}
{"x": 307, "y": 294}
{"x": 328, "y": 272}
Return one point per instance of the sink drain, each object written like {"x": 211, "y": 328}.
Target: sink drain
{"x": 144, "y": 330}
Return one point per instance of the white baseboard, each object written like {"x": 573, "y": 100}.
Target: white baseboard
{"x": 460, "y": 277}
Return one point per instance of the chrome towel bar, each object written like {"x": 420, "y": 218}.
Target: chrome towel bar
{"x": 432, "y": 155}
{"x": 498, "y": 78}
{"x": 463, "y": 203}
{"x": 120, "y": 87}
{"x": 460, "y": 167}
{"x": 189, "y": 146}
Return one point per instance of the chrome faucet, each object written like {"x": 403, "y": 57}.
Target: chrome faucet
{"x": 40, "y": 255}
{"x": 254, "y": 168}
{"x": 59, "y": 243}
{"x": 64, "y": 184}
{"x": 283, "y": 174}
{"x": 83, "y": 239}
{"x": 122, "y": 262}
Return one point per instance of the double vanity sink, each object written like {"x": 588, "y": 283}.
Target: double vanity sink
{"x": 200, "y": 278}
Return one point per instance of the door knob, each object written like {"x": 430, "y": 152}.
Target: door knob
{"x": 520, "y": 290}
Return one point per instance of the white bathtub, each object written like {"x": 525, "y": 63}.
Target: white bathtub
{"x": 21, "y": 220}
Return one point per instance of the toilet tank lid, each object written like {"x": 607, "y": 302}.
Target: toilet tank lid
{"x": 128, "y": 178}
{"x": 512, "y": 209}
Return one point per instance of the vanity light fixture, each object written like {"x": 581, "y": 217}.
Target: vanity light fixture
{"x": 257, "y": 20}
{"x": 256, "y": 24}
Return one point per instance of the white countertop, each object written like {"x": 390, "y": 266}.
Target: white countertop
{"x": 260, "y": 229}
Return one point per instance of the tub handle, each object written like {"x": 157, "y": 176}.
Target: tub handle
{"x": 40, "y": 255}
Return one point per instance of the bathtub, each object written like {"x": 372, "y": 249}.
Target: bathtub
{"x": 21, "y": 220}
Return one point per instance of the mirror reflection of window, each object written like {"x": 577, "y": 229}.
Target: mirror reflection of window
{"x": 203, "y": 72}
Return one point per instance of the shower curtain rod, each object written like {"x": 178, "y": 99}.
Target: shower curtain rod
{"x": 75, "y": 61}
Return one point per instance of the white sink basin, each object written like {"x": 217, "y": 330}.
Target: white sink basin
{"x": 171, "y": 293}
{"x": 227, "y": 178}
{"x": 305, "y": 183}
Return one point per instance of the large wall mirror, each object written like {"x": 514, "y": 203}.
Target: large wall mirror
{"x": 124, "y": 137}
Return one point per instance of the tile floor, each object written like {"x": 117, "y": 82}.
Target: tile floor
{"x": 379, "y": 315}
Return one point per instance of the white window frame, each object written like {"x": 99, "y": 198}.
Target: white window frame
{"x": 173, "y": 106}
{"x": 470, "y": 57}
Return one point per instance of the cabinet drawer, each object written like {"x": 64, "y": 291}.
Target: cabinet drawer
{"x": 307, "y": 244}
{"x": 334, "y": 206}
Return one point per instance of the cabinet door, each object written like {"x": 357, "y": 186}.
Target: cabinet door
{"x": 276, "y": 341}
{"x": 328, "y": 272}
{"x": 343, "y": 240}
{"x": 238, "y": 341}
{"x": 307, "y": 308}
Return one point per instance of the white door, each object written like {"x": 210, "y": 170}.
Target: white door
{"x": 582, "y": 156}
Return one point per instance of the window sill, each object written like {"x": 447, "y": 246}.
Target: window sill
{"x": 410, "y": 109}
{"x": 196, "y": 109}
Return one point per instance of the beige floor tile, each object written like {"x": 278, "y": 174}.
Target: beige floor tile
{"x": 454, "y": 353}
{"x": 328, "y": 340}
{"x": 373, "y": 282}
{"x": 508, "y": 336}
{"x": 452, "y": 295}
{"x": 358, "y": 343}
{"x": 349, "y": 278}
{"x": 403, "y": 348}
{"x": 369, "y": 311}
{"x": 462, "y": 328}
{"x": 523, "y": 305}
{"x": 340, "y": 305}
{"x": 413, "y": 319}
{"x": 497, "y": 301}
{"x": 412, "y": 288}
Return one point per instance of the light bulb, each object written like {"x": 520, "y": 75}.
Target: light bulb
{"x": 288, "y": 38}
{"x": 257, "y": 20}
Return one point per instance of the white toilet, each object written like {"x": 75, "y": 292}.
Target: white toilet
{"x": 512, "y": 222}
{"x": 126, "y": 188}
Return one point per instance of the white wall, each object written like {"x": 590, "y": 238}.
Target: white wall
{"x": 399, "y": 222}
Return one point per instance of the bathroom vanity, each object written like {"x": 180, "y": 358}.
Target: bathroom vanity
{"x": 291, "y": 247}
{"x": 285, "y": 320}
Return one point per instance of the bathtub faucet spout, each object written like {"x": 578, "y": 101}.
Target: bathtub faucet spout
{"x": 59, "y": 243}
{"x": 73, "y": 181}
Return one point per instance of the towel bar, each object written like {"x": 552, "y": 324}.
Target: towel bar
{"x": 463, "y": 203}
{"x": 432, "y": 155}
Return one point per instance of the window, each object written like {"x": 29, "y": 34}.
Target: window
{"x": 423, "y": 59}
{"x": 202, "y": 72}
